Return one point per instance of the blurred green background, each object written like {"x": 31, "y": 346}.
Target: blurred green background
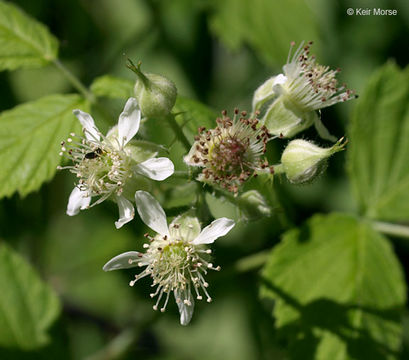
{"x": 217, "y": 52}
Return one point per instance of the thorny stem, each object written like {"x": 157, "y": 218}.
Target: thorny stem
{"x": 74, "y": 81}
{"x": 392, "y": 229}
{"x": 178, "y": 131}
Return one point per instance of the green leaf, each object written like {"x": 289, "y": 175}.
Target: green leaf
{"x": 24, "y": 42}
{"x": 267, "y": 26}
{"x": 27, "y": 305}
{"x": 112, "y": 87}
{"x": 339, "y": 290}
{"x": 193, "y": 114}
{"x": 30, "y": 136}
{"x": 379, "y": 152}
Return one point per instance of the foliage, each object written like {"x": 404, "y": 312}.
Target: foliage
{"x": 28, "y": 305}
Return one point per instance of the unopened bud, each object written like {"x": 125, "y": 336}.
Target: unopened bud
{"x": 156, "y": 94}
{"x": 303, "y": 161}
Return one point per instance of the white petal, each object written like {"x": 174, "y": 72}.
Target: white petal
{"x": 79, "y": 200}
{"x": 186, "y": 311}
{"x": 87, "y": 122}
{"x": 122, "y": 261}
{"x": 156, "y": 168}
{"x": 151, "y": 212}
{"x": 217, "y": 228}
{"x": 280, "y": 79}
{"x": 188, "y": 159}
{"x": 129, "y": 120}
{"x": 126, "y": 211}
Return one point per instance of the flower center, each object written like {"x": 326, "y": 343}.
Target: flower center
{"x": 312, "y": 86}
{"x": 175, "y": 264}
{"x": 101, "y": 167}
{"x": 231, "y": 153}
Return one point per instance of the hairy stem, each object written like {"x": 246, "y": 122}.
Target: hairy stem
{"x": 75, "y": 82}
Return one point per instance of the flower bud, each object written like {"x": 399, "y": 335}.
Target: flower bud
{"x": 156, "y": 94}
{"x": 303, "y": 161}
{"x": 253, "y": 205}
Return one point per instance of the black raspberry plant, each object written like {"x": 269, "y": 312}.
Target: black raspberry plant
{"x": 231, "y": 152}
{"x": 116, "y": 166}
{"x": 110, "y": 167}
{"x": 176, "y": 259}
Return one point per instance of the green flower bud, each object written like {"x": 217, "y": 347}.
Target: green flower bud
{"x": 253, "y": 205}
{"x": 156, "y": 94}
{"x": 303, "y": 161}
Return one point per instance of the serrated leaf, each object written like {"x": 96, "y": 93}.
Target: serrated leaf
{"x": 267, "y": 26}
{"x": 112, "y": 87}
{"x": 193, "y": 114}
{"x": 339, "y": 290}
{"x": 27, "y": 305}
{"x": 24, "y": 42}
{"x": 379, "y": 152}
{"x": 30, "y": 136}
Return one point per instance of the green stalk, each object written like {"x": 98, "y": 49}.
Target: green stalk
{"x": 178, "y": 131}
{"x": 75, "y": 82}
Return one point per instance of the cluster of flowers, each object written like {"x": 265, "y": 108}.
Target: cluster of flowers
{"x": 117, "y": 167}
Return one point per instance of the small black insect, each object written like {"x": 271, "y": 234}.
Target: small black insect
{"x": 93, "y": 154}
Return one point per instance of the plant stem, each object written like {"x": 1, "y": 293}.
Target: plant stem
{"x": 75, "y": 82}
{"x": 392, "y": 229}
{"x": 178, "y": 131}
{"x": 252, "y": 261}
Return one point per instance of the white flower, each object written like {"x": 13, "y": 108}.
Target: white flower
{"x": 230, "y": 153}
{"x": 176, "y": 258}
{"x": 110, "y": 166}
{"x": 303, "y": 88}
